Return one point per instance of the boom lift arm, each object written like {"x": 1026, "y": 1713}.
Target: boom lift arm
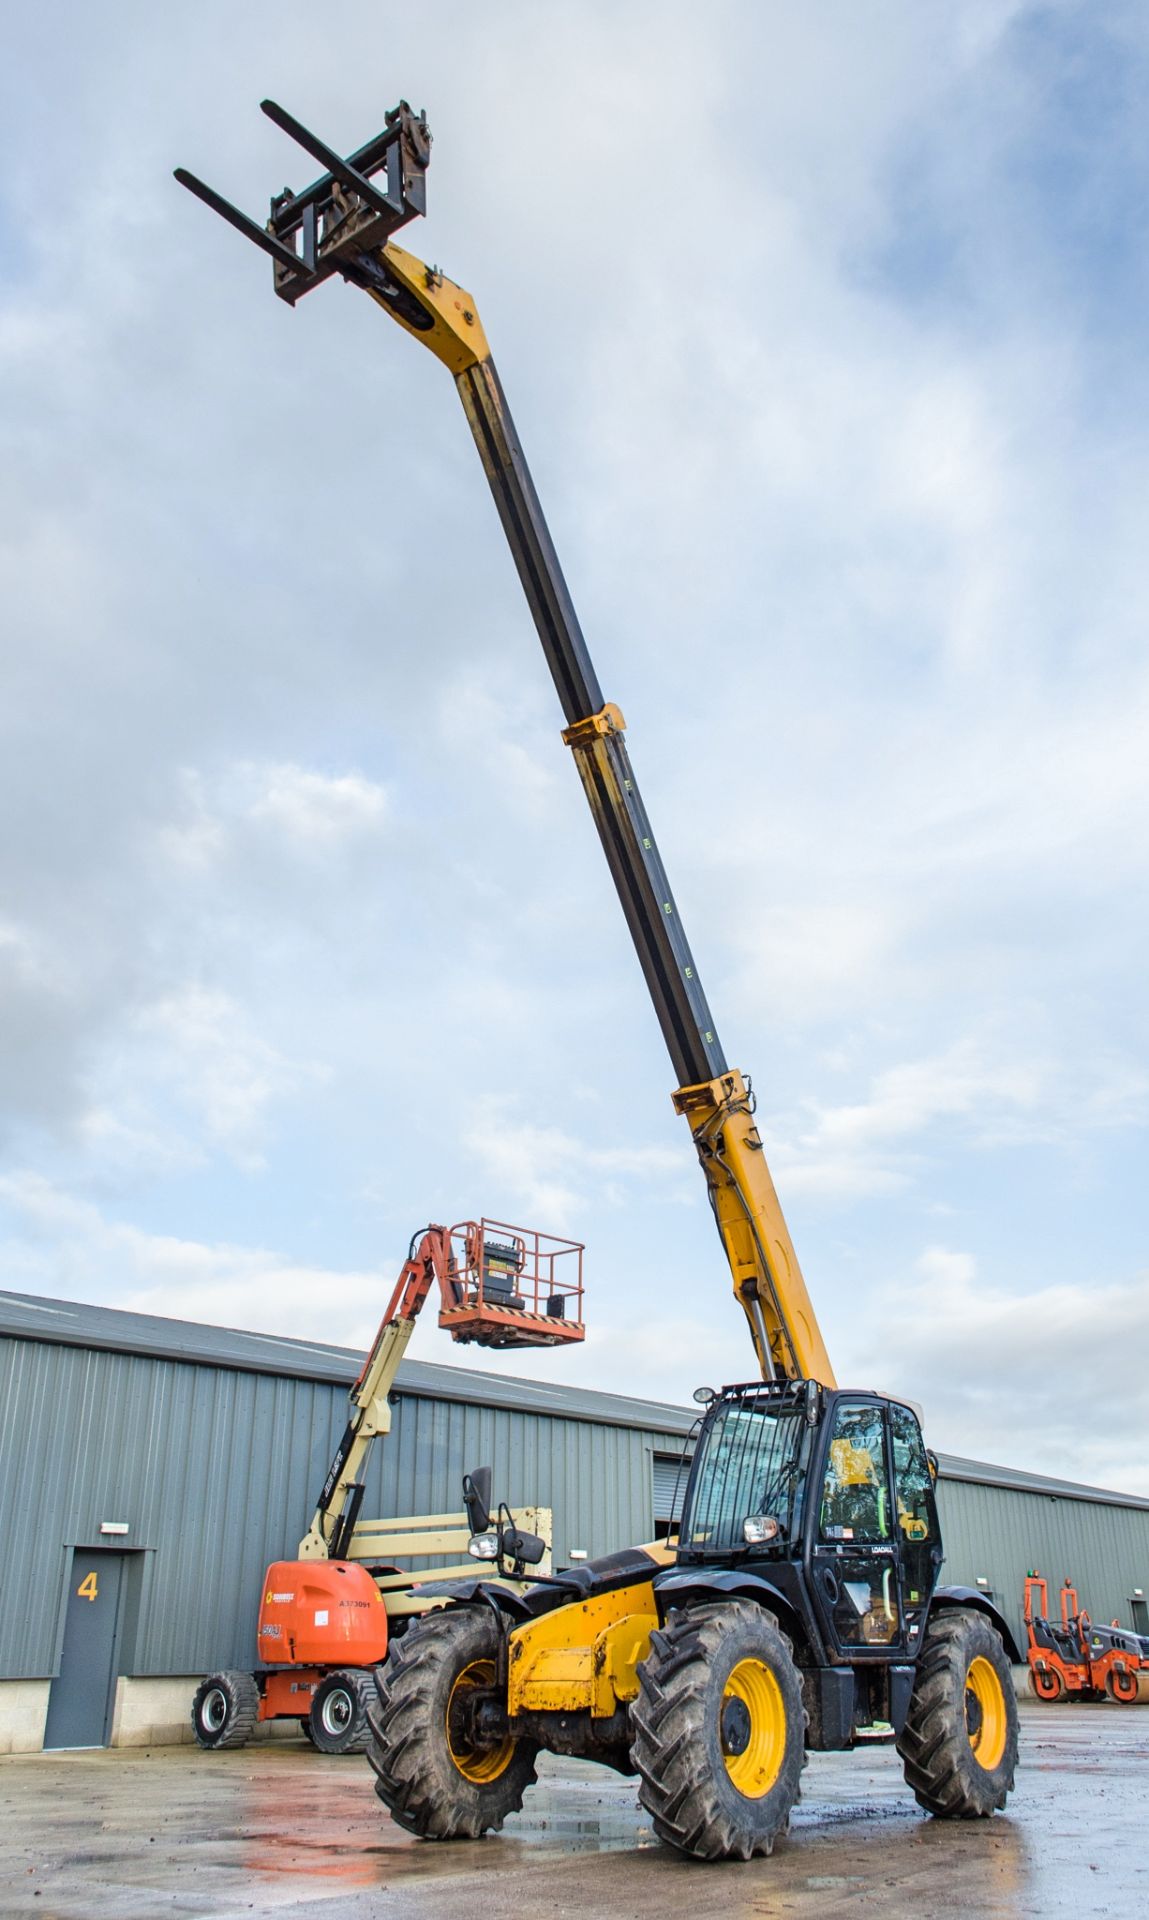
{"x": 342, "y": 224}
{"x": 326, "y": 1617}
{"x": 499, "y": 1286}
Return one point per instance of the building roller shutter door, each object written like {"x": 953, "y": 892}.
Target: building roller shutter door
{"x": 670, "y": 1471}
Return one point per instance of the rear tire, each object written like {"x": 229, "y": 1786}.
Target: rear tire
{"x": 337, "y": 1722}
{"x": 719, "y": 1731}
{"x": 224, "y": 1710}
{"x": 434, "y": 1777}
{"x": 959, "y": 1743}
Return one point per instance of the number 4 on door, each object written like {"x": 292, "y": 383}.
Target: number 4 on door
{"x": 87, "y": 1589}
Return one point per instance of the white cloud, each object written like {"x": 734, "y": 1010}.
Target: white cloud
{"x": 67, "y": 1247}
{"x": 317, "y": 810}
{"x": 311, "y": 813}
{"x": 1049, "y": 1378}
{"x": 197, "y": 836}
{"x": 553, "y": 1175}
{"x": 905, "y": 1099}
{"x": 811, "y": 957}
{"x": 977, "y": 1092}
{"x": 482, "y": 731}
{"x": 201, "y": 1044}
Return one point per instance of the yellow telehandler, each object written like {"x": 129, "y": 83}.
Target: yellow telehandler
{"x": 801, "y": 1605}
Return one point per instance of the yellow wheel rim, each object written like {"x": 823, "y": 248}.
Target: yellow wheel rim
{"x": 753, "y": 1723}
{"x": 480, "y": 1765}
{"x": 985, "y": 1714}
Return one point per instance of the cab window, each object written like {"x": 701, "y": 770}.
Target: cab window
{"x": 913, "y": 1482}
{"x": 855, "y": 1497}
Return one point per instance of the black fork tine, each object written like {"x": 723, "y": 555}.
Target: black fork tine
{"x": 336, "y": 165}
{"x": 240, "y": 221}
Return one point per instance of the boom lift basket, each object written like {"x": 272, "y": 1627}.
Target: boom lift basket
{"x": 512, "y": 1287}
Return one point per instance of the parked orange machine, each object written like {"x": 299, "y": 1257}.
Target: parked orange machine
{"x": 324, "y": 1617}
{"x": 1077, "y": 1658}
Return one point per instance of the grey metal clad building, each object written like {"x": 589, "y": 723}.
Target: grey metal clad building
{"x": 176, "y": 1461}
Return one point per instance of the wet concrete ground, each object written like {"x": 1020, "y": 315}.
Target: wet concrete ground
{"x": 280, "y": 1831}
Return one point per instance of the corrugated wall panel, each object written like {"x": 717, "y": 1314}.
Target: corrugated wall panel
{"x": 999, "y": 1533}
{"x": 216, "y": 1471}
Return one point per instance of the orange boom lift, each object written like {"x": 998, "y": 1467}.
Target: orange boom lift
{"x": 326, "y": 1617}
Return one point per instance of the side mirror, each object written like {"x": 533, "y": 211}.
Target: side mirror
{"x": 813, "y": 1403}
{"x": 477, "y": 1498}
{"x": 526, "y": 1548}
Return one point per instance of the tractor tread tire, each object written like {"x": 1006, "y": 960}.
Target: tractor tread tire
{"x": 241, "y": 1695}
{"x": 684, "y": 1787}
{"x": 939, "y": 1762}
{"x": 359, "y": 1683}
{"x": 415, "y": 1774}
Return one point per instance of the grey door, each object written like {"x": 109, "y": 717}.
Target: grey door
{"x": 80, "y": 1702}
{"x": 670, "y": 1476}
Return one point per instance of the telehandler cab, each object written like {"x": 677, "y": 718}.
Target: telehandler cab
{"x": 802, "y": 1604}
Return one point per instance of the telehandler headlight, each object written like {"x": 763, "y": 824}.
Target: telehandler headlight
{"x": 759, "y": 1528}
{"x": 483, "y": 1546}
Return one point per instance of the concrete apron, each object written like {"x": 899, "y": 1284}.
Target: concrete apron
{"x": 157, "y": 1713}
{"x": 278, "y": 1829}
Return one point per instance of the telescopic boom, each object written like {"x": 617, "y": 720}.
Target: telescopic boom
{"x": 343, "y": 224}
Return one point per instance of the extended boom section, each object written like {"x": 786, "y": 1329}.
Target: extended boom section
{"x": 342, "y": 224}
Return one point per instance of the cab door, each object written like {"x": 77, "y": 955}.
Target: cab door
{"x": 915, "y": 1519}
{"x": 855, "y": 1561}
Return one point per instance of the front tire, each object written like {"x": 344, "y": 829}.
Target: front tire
{"x": 438, "y": 1776}
{"x": 959, "y": 1743}
{"x": 719, "y": 1731}
{"x": 224, "y": 1710}
{"x": 337, "y": 1722}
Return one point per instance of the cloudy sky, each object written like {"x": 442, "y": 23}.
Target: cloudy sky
{"x": 824, "y": 330}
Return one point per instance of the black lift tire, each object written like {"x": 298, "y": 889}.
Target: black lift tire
{"x": 337, "y": 1722}
{"x": 433, "y": 1777}
{"x": 959, "y": 1743}
{"x": 225, "y": 1709}
{"x": 719, "y": 1731}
